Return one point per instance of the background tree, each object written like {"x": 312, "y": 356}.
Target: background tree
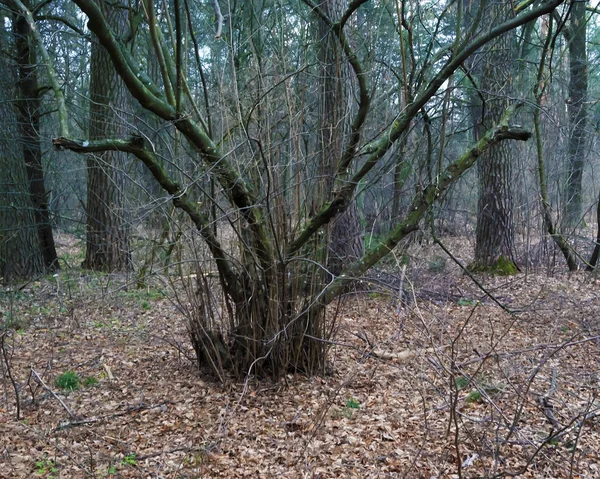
{"x": 107, "y": 244}
{"x": 575, "y": 34}
{"x": 495, "y": 232}
{"x": 28, "y": 119}
{"x": 20, "y": 248}
{"x": 345, "y": 236}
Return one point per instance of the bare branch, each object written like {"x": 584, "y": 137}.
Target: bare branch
{"x": 47, "y": 388}
{"x": 378, "y": 149}
{"x": 219, "y": 19}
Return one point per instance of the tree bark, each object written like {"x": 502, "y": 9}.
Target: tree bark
{"x": 20, "y": 250}
{"x": 345, "y": 233}
{"x": 495, "y": 233}
{"x": 28, "y": 118}
{"x": 578, "y": 86}
{"x": 107, "y": 229}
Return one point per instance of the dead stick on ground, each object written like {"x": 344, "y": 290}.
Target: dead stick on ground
{"x": 94, "y": 420}
{"x": 43, "y": 384}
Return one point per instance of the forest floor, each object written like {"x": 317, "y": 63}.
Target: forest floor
{"x": 450, "y": 385}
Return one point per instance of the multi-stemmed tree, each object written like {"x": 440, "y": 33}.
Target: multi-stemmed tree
{"x": 274, "y": 290}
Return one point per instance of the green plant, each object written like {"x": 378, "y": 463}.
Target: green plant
{"x": 375, "y": 295}
{"x": 90, "y": 381}
{"x": 467, "y": 302}
{"x": 45, "y": 467}
{"x": 68, "y": 380}
{"x": 351, "y": 405}
{"x": 462, "y": 382}
{"x": 111, "y": 470}
{"x": 473, "y": 396}
{"x": 129, "y": 460}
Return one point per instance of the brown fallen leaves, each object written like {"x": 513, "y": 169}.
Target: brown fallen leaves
{"x": 443, "y": 388}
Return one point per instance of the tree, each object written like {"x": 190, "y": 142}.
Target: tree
{"x": 28, "y": 119}
{"x": 345, "y": 243}
{"x": 107, "y": 244}
{"x": 20, "y": 249}
{"x": 273, "y": 296}
{"x": 575, "y": 33}
{"x": 495, "y": 233}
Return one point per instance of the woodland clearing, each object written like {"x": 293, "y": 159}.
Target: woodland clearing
{"x": 446, "y": 384}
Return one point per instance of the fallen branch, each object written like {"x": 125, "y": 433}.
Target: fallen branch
{"x": 94, "y": 420}
{"x": 404, "y": 355}
{"x": 47, "y": 388}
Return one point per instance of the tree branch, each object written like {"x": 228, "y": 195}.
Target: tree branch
{"x": 64, "y": 21}
{"x": 423, "y": 200}
{"x": 138, "y": 146}
{"x": 378, "y": 149}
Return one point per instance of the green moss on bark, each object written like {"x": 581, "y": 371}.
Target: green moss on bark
{"x": 501, "y": 267}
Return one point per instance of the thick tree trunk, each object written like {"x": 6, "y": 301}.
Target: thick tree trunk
{"x": 28, "y": 117}
{"x": 495, "y": 235}
{"x": 495, "y": 230}
{"x": 578, "y": 86}
{"x": 107, "y": 229}
{"x": 345, "y": 232}
{"x": 20, "y": 251}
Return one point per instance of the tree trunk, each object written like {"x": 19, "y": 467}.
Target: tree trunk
{"x": 578, "y": 86}
{"x": 28, "y": 118}
{"x": 495, "y": 234}
{"x": 345, "y": 232}
{"x": 20, "y": 250}
{"x": 107, "y": 229}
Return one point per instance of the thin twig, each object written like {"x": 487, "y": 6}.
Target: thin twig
{"x": 171, "y": 451}
{"x": 538, "y": 347}
{"x": 10, "y": 376}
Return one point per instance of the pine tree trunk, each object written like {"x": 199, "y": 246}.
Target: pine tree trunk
{"x": 107, "y": 229}
{"x": 20, "y": 251}
{"x": 28, "y": 117}
{"x": 495, "y": 230}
